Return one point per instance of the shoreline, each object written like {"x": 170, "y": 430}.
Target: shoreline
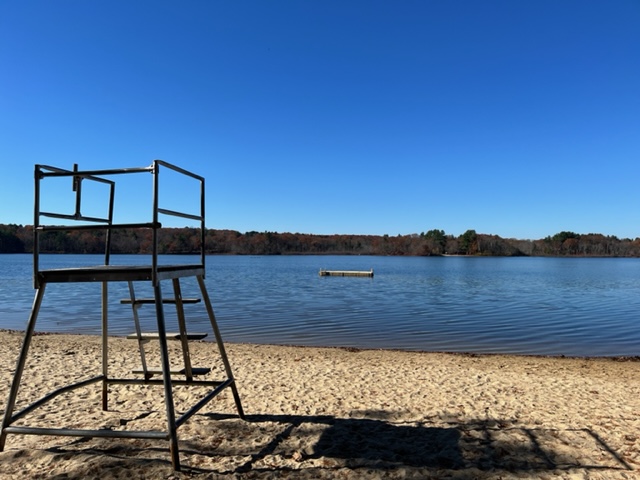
{"x": 315, "y": 412}
{"x": 614, "y": 358}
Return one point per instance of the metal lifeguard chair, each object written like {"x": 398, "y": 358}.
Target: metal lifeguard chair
{"x": 155, "y": 274}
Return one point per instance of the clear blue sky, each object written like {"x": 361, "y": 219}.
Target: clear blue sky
{"x": 515, "y": 118}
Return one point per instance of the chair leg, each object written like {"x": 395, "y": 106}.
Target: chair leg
{"x": 223, "y": 353}
{"x": 166, "y": 377}
{"x": 136, "y": 323}
{"x": 17, "y": 376}
{"x": 105, "y": 347}
{"x": 182, "y": 326}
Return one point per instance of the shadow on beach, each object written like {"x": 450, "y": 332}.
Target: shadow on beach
{"x": 369, "y": 446}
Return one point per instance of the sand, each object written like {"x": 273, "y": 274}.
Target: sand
{"x": 334, "y": 413}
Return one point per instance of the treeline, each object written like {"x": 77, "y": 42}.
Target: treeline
{"x": 19, "y": 239}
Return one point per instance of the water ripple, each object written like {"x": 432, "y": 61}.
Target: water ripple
{"x": 499, "y": 305}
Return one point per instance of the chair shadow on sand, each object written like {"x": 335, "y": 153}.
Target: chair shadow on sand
{"x": 370, "y": 445}
{"x": 372, "y": 441}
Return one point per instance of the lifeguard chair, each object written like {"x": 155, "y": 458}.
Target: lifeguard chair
{"x": 155, "y": 273}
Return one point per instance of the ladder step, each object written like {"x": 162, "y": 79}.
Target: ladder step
{"x": 142, "y": 301}
{"x": 158, "y": 371}
{"x": 170, "y": 336}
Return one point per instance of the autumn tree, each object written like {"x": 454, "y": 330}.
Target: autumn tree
{"x": 469, "y": 242}
{"x": 9, "y": 241}
{"x": 436, "y": 242}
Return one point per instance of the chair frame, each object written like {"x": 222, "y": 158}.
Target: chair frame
{"x": 106, "y": 273}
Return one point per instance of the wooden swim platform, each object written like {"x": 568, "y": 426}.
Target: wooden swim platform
{"x": 346, "y": 273}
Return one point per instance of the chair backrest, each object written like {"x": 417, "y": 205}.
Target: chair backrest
{"x": 76, "y": 220}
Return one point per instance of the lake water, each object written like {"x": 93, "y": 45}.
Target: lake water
{"x": 549, "y": 306}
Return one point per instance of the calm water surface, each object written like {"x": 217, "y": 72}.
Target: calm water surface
{"x": 557, "y": 306}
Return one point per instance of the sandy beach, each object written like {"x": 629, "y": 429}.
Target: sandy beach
{"x": 334, "y": 413}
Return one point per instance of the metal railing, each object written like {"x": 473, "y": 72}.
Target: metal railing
{"x": 43, "y": 172}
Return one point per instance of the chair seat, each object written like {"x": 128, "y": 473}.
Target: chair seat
{"x": 115, "y": 273}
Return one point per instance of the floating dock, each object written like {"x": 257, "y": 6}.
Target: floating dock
{"x": 346, "y": 273}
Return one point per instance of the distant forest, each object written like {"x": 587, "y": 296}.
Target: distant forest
{"x": 19, "y": 239}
